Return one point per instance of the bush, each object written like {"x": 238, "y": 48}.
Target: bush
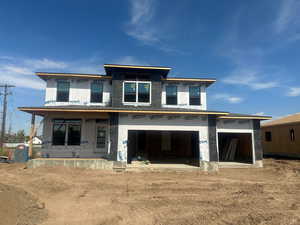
{"x": 3, "y": 152}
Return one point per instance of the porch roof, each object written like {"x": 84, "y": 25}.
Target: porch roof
{"x": 92, "y": 109}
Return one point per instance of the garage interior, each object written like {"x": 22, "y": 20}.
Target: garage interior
{"x": 163, "y": 147}
{"x": 235, "y": 147}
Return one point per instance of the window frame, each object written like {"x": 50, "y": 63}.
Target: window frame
{"x": 57, "y": 90}
{"x": 137, "y": 93}
{"x": 193, "y": 86}
{"x": 66, "y": 124}
{"x": 96, "y": 82}
{"x": 167, "y": 94}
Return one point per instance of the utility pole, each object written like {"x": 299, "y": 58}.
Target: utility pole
{"x": 5, "y": 94}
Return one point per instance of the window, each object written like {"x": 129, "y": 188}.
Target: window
{"x": 143, "y": 92}
{"x": 101, "y": 137}
{"x": 66, "y": 131}
{"x": 59, "y": 134}
{"x": 97, "y": 92}
{"x": 171, "y": 95}
{"x": 137, "y": 92}
{"x": 292, "y": 134}
{"x": 129, "y": 92}
{"x": 268, "y": 136}
{"x": 74, "y": 134}
{"x": 194, "y": 95}
{"x": 62, "y": 94}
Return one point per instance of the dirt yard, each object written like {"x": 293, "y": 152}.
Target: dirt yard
{"x": 270, "y": 195}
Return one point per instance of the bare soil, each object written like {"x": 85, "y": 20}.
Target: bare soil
{"x": 48, "y": 196}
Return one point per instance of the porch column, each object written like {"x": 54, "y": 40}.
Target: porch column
{"x": 114, "y": 134}
{"x": 257, "y": 140}
{"x": 212, "y": 139}
{"x": 31, "y": 135}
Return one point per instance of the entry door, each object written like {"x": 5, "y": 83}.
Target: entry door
{"x": 101, "y": 139}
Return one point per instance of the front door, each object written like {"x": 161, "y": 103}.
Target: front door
{"x": 101, "y": 139}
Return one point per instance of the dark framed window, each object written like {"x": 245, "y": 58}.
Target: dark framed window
{"x": 143, "y": 92}
{"x": 74, "y": 134}
{"x": 59, "y": 134}
{"x": 66, "y": 131}
{"x": 101, "y": 137}
{"x": 292, "y": 134}
{"x": 63, "y": 89}
{"x": 137, "y": 92}
{"x": 268, "y": 136}
{"x": 195, "y": 95}
{"x": 129, "y": 92}
{"x": 171, "y": 95}
{"x": 96, "y": 92}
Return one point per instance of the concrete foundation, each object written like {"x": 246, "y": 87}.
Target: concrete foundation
{"x": 72, "y": 163}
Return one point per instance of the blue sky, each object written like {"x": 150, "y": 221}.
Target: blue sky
{"x": 251, "y": 47}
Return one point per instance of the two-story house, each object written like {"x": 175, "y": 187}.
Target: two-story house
{"x": 139, "y": 113}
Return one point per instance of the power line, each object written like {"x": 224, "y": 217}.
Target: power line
{"x": 5, "y": 94}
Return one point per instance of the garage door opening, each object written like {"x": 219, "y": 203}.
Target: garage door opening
{"x": 163, "y": 147}
{"x": 235, "y": 147}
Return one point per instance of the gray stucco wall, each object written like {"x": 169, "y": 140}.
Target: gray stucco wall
{"x": 212, "y": 139}
{"x": 114, "y": 132}
{"x": 257, "y": 140}
{"x": 117, "y": 91}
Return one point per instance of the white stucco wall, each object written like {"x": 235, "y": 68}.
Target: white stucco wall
{"x": 183, "y": 97}
{"x": 236, "y": 126}
{"x": 80, "y": 93}
{"x": 129, "y": 122}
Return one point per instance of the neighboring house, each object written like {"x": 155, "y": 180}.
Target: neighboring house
{"x": 281, "y": 137}
{"x": 138, "y": 112}
{"x": 36, "y": 141}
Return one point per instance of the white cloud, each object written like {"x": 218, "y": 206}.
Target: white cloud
{"x": 293, "y": 92}
{"x": 259, "y": 113}
{"x": 45, "y": 64}
{"x": 288, "y": 20}
{"x": 140, "y": 27}
{"x": 251, "y": 78}
{"x": 228, "y": 98}
{"x": 145, "y": 27}
{"x": 130, "y": 60}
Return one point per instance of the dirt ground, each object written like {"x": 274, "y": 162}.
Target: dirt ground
{"x": 48, "y": 196}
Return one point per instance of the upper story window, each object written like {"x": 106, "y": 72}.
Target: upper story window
{"x": 195, "y": 96}
{"x": 171, "y": 95}
{"x": 136, "y": 91}
{"x": 96, "y": 91}
{"x": 63, "y": 90}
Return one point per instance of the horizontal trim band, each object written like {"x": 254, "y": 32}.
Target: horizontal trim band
{"x": 189, "y": 79}
{"x": 246, "y": 117}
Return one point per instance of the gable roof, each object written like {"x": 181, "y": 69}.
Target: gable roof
{"x": 294, "y": 118}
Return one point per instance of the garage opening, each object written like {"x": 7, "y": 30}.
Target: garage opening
{"x": 164, "y": 147}
{"x": 235, "y": 147}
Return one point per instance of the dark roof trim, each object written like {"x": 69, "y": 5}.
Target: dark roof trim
{"x": 136, "y": 67}
{"x": 44, "y": 75}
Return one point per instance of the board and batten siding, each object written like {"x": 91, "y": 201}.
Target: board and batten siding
{"x": 80, "y": 93}
{"x": 183, "y": 96}
{"x": 156, "y": 123}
